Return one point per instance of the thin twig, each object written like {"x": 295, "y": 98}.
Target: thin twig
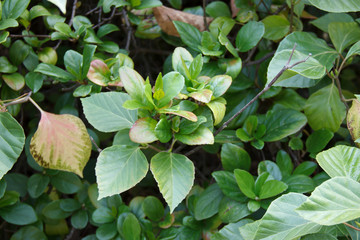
{"x": 128, "y": 29}
{"x": 73, "y": 13}
{"x": 96, "y": 146}
{"x": 70, "y": 235}
{"x": 105, "y": 19}
{"x": 266, "y": 88}
{"x": 19, "y": 100}
{"x": 36, "y": 105}
{"x": 351, "y": 226}
{"x": 204, "y": 15}
{"x": 291, "y": 16}
{"x": 29, "y": 35}
{"x": 91, "y": 11}
{"x": 265, "y": 57}
{"x": 342, "y": 98}
{"x": 154, "y": 148}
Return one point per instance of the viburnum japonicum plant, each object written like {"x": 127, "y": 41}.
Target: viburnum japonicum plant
{"x": 183, "y": 106}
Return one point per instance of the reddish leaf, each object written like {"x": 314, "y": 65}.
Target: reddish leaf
{"x": 61, "y": 142}
{"x": 143, "y": 130}
{"x": 99, "y": 73}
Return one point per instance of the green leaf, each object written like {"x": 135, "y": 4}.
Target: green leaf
{"x": 354, "y": 50}
{"x": 188, "y": 127}
{"x": 324, "y": 109}
{"x": 119, "y": 168}
{"x": 181, "y": 57}
{"x": 18, "y": 214}
{"x": 204, "y": 95}
{"x": 219, "y": 84}
{"x": 228, "y": 45}
{"x": 174, "y": 174}
{"x": 311, "y": 69}
{"x": 66, "y": 182}
{"x": 318, "y": 140}
{"x": 271, "y": 168}
{"x": 173, "y": 82}
{"x": 245, "y": 182}
{"x": 61, "y": 142}
{"x": 15, "y": 81}
{"x": 196, "y": 66}
{"x": 134, "y": 84}
{"x": 148, "y": 4}
{"x": 69, "y": 205}
{"x": 18, "y": 52}
{"x": 338, "y": 6}
{"x": 163, "y": 130}
{"x": 12, "y": 140}
{"x": 283, "y": 161}
{"x": 202, "y": 135}
{"x": 29, "y": 233}
{"x": 334, "y": 201}
{"x": 73, "y": 63}
{"x": 3, "y": 36}
{"x": 231, "y": 66}
{"x": 131, "y": 228}
{"x": 153, "y": 208}
{"x": 289, "y": 98}
{"x": 9, "y": 198}
{"x": 353, "y": 119}
{"x": 105, "y": 112}
{"x": 272, "y": 188}
{"x": 306, "y": 168}
{"x": 340, "y": 161}
{"x": 232, "y": 211}
{"x": 281, "y": 221}
{"x": 234, "y": 157}
{"x": 227, "y": 183}
{"x": 306, "y": 43}
{"x": 249, "y": 36}
{"x": 88, "y": 53}
{"x": 79, "y": 220}
{"x": 106, "y": 29}
{"x": 323, "y": 22}
{"x": 231, "y": 231}
{"x": 53, "y": 71}
{"x": 8, "y": 23}
{"x": 122, "y": 138}
{"x": 276, "y": 27}
{"x": 106, "y": 231}
{"x": 13, "y": 8}
{"x": 38, "y": 11}
{"x": 103, "y": 215}
{"x": 282, "y": 123}
{"x": 6, "y": 66}
{"x": 185, "y": 114}
{"x": 343, "y": 34}
{"x": 299, "y": 184}
{"x": 189, "y": 34}
{"x": 217, "y": 9}
{"x": 208, "y": 202}
{"x": 34, "y": 81}
{"x": 143, "y": 130}
{"x": 37, "y": 184}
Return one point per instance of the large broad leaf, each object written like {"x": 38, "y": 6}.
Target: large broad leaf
{"x": 282, "y": 123}
{"x": 337, "y": 6}
{"x": 353, "y": 119}
{"x": 13, "y": 8}
{"x": 354, "y": 50}
{"x": 306, "y": 43}
{"x": 281, "y": 221}
{"x": 234, "y": 157}
{"x": 105, "y": 112}
{"x": 202, "y": 135}
{"x": 323, "y": 22}
{"x": 207, "y": 205}
{"x": 119, "y": 168}
{"x": 189, "y": 34}
{"x": 61, "y": 142}
{"x": 324, "y": 109}
{"x": 343, "y": 34}
{"x": 311, "y": 69}
{"x": 334, "y": 201}
{"x": 61, "y": 4}
{"x": 341, "y": 161}
{"x": 174, "y": 174}
{"x": 18, "y": 214}
{"x": 249, "y": 36}
{"x": 12, "y": 140}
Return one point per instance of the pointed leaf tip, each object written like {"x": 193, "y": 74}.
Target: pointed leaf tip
{"x": 61, "y": 142}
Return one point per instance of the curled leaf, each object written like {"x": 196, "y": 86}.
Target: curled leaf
{"x": 61, "y": 142}
{"x": 164, "y": 16}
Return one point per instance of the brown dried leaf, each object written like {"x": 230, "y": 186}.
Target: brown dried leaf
{"x": 234, "y": 8}
{"x": 164, "y": 16}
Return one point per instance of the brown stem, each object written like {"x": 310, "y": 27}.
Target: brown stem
{"x": 18, "y": 100}
{"x": 29, "y": 35}
{"x": 291, "y": 16}
{"x": 128, "y": 29}
{"x": 96, "y": 146}
{"x": 269, "y": 55}
{"x": 266, "y": 88}
{"x": 342, "y": 98}
{"x": 204, "y": 15}
{"x": 351, "y": 226}
{"x": 73, "y": 13}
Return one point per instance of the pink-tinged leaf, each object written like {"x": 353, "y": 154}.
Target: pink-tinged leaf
{"x": 203, "y": 95}
{"x": 143, "y": 130}
{"x": 185, "y": 114}
{"x": 99, "y": 73}
{"x": 200, "y": 136}
{"x": 219, "y": 84}
{"x": 61, "y": 142}
{"x": 15, "y": 81}
{"x": 353, "y": 120}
